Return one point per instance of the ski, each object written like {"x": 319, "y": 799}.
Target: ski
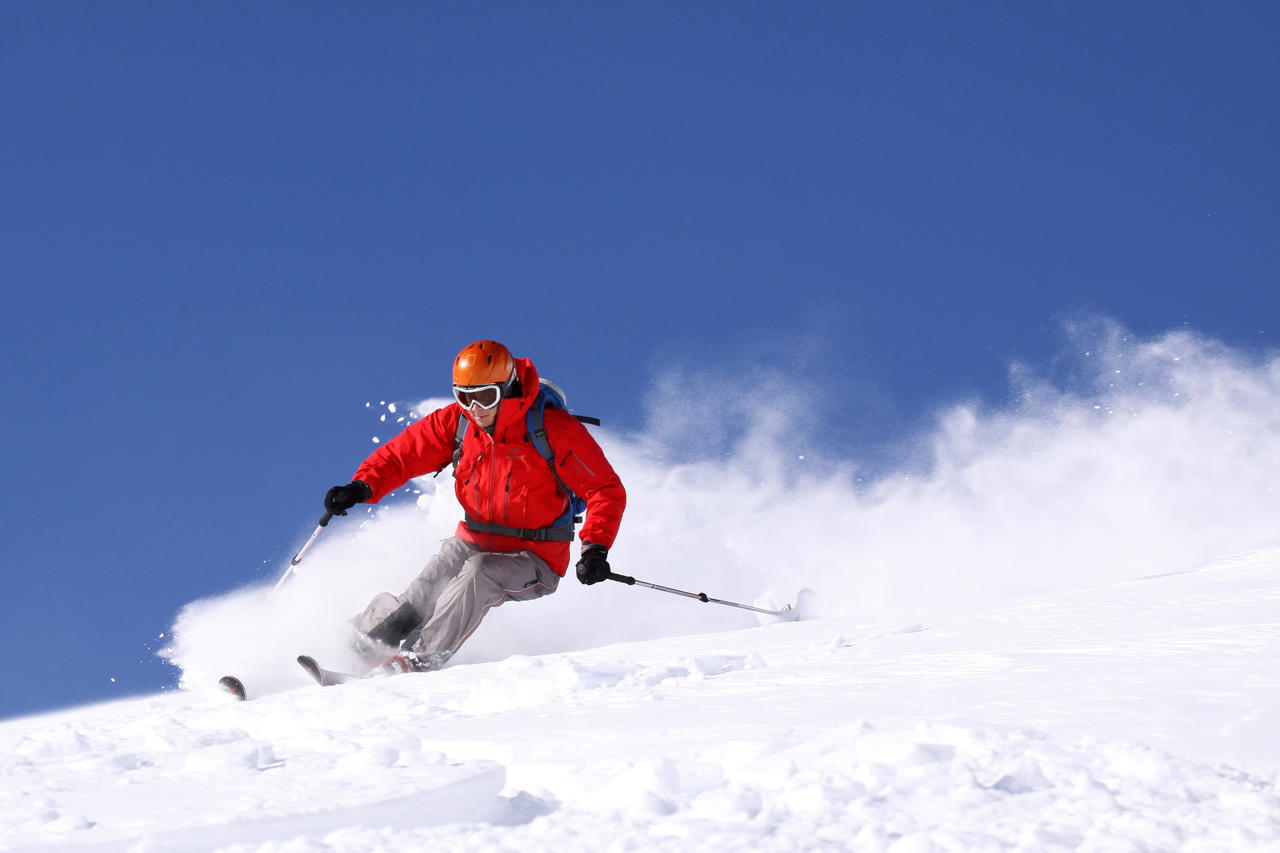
{"x": 233, "y": 685}
{"x": 324, "y": 677}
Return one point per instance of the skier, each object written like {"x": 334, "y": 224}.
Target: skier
{"x": 508, "y": 547}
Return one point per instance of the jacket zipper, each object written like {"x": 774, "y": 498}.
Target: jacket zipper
{"x": 506, "y": 499}
{"x": 475, "y": 491}
{"x": 493, "y": 497}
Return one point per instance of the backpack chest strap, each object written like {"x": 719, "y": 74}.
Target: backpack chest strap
{"x": 536, "y": 534}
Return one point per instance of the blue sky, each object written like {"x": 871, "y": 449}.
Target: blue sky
{"x": 225, "y": 227}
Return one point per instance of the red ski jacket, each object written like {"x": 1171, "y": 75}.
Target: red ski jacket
{"x": 502, "y": 479}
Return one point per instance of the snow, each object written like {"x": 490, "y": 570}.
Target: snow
{"x": 1133, "y": 716}
{"x": 1062, "y": 632}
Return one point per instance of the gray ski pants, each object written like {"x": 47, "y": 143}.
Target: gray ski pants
{"x": 444, "y": 605}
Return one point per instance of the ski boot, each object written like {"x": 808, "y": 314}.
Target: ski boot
{"x": 410, "y": 662}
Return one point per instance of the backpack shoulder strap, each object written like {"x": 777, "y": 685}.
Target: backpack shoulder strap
{"x": 536, "y": 427}
{"x": 535, "y": 423}
{"x": 458, "y": 435}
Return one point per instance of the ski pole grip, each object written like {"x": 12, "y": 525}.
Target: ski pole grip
{"x": 328, "y": 516}
{"x": 627, "y": 579}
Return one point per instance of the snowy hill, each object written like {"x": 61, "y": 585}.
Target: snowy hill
{"x": 1139, "y": 715}
{"x": 1024, "y": 642}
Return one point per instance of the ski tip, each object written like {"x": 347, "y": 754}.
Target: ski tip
{"x": 233, "y": 685}
{"x": 324, "y": 677}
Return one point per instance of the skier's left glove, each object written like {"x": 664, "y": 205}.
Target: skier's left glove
{"x": 593, "y": 565}
{"x": 339, "y": 499}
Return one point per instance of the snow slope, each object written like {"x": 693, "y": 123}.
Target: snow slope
{"x": 1139, "y": 715}
{"x": 1027, "y": 640}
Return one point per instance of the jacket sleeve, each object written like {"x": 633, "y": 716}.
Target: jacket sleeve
{"x": 582, "y": 465}
{"x": 423, "y": 448}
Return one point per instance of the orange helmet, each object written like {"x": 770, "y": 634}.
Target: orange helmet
{"x": 483, "y": 363}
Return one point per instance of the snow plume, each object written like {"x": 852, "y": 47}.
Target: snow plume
{"x": 1123, "y": 458}
{"x": 1136, "y": 455}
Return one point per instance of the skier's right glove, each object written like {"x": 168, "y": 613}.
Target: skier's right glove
{"x": 593, "y": 565}
{"x": 342, "y": 498}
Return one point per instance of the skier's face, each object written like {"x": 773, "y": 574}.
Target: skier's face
{"x": 484, "y": 417}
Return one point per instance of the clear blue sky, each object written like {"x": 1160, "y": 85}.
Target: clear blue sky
{"x": 224, "y": 227}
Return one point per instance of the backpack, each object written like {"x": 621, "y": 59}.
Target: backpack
{"x": 550, "y": 396}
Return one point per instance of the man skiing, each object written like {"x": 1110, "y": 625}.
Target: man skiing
{"x": 513, "y": 542}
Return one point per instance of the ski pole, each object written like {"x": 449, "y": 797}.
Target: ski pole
{"x": 701, "y": 596}
{"x": 297, "y": 558}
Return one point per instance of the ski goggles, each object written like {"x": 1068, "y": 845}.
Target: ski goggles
{"x": 484, "y": 396}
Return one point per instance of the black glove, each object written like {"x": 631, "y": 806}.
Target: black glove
{"x": 593, "y": 565}
{"x": 339, "y": 499}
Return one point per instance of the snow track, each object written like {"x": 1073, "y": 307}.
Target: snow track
{"x": 1138, "y": 716}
